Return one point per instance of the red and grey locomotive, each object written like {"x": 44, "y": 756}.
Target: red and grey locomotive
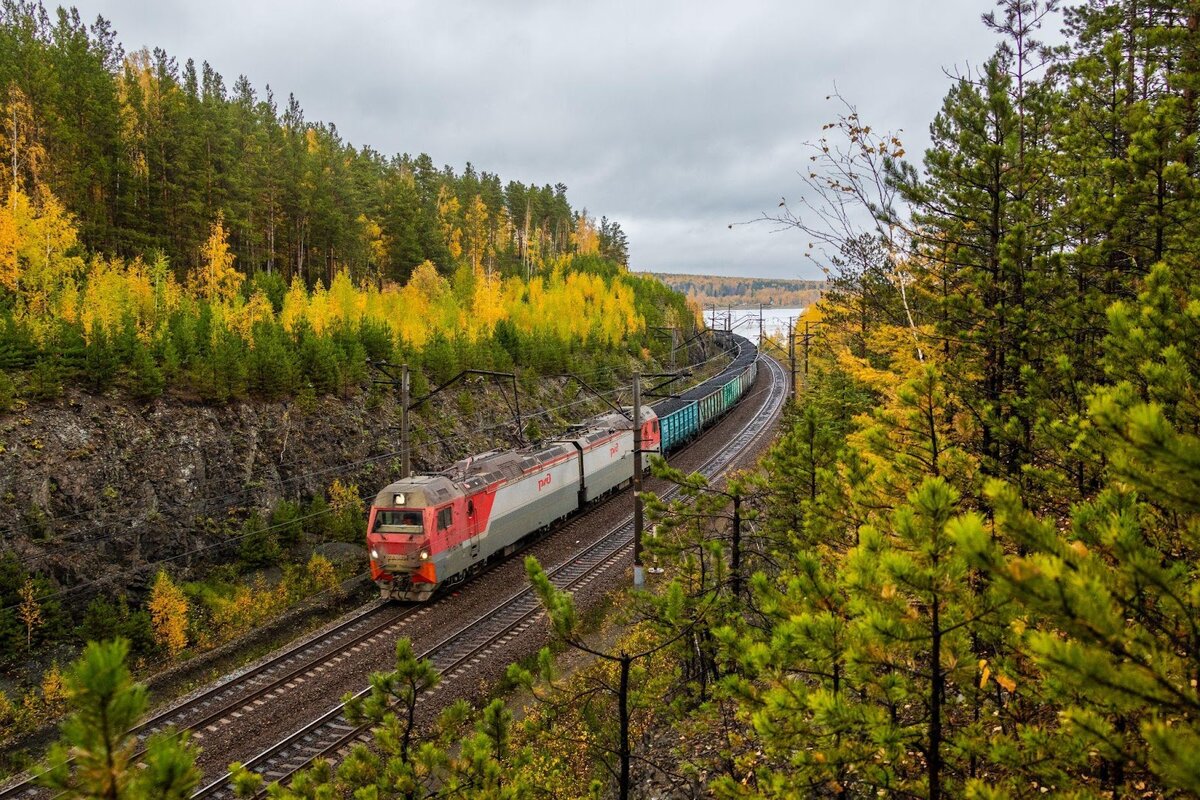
{"x": 429, "y": 531}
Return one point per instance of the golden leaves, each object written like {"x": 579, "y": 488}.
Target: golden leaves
{"x": 475, "y": 234}
{"x": 54, "y": 688}
{"x": 245, "y": 316}
{"x": 217, "y": 279}
{"x": 9, "y": 269}
{"x": 343, "y": 496}
{"x": 447, "y": 209}
{"x": 169, "y": 614}
{"x": 30, "y": 610}
{"x": 1006, "y": 683}
{"x": 320, "y": 574}
{"x": 35, "y": 239}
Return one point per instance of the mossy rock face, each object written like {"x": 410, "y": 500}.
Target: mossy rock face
{"x": 136, "y": 481}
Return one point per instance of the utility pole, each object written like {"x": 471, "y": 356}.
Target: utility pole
{"x": 760, "y": 326}
{"x": 792, "y": 359}
{"x": 639, "y": 574}
{"x": 405, "y": 458}
{"x": 806, "y": 337}
{"x": 407, "y": 404}
{"x": 390, "y": 379}
{"x": 735, "y": 566}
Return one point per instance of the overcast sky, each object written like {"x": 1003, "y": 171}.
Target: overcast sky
{"x": 673, "y": 118}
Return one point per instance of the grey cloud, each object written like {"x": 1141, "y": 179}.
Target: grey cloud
{"x": 676, "y": 118}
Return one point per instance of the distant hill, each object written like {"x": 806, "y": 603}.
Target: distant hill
{"x": 743, "y": 292}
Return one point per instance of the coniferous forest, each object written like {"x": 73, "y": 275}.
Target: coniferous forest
{"x": 146, "y": 153}
{"x": 162, "y": 230}
{"x": 977, "y": 560}
{"x": 970, "y": 564}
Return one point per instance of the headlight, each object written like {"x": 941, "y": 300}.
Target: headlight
{"x": 398, "y": 499}
{"x": 424, "y": 554}
{"x": 374, "y": 554}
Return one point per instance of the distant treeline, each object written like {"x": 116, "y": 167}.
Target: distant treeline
{"x": 738, "y": 291}
{"x": 147, "y": 153}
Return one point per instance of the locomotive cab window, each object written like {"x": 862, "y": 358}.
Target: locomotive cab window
{"x": 444, "y": 518}
{"x": 398, "y": 522}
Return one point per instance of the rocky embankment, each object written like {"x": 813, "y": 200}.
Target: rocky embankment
{"x": 104, "y": 487}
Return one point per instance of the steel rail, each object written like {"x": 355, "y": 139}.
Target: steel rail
{"x": 332, "y": 732}
{"x": 230, "y": 695}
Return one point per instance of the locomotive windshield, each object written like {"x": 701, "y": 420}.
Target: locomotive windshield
{"x": 398, "y": 522}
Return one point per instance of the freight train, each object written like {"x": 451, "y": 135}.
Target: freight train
{"x": 427, "y": 532}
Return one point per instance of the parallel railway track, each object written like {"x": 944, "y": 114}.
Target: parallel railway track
{"x": 331, "y": 733}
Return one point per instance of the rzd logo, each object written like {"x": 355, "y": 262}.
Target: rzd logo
{"x": 612, "y": 451}
{"x": 543, "y": 482}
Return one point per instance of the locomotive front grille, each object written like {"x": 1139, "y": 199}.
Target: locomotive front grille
{"x": 400, "y": 563}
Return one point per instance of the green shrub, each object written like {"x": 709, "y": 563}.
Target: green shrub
{"x": 146, "y": 379}
{"x": 271, "y": 284}
{"x": 45, "y": 381}
{"x": 258, "y": 546}
{"x": 272, "y": 364}
{"x": 316, "y": 516}
{"x": 8, "y": 393}
{"x": 286, "y": 523}
{"x": 105, "y": 620}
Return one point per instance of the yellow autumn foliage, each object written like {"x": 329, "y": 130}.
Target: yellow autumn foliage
{"x": 169, "y": 615}
{"x": 475, "y": 234}
{"x": 321, "y": 576}
{"x": 9, "y": 269}
{"x": 54, "y": 689}
{"x": 40, "y": 265}
{"x": 216, "y": 279}
{"x": 242, "y": 317}
{"x": 586, "y": 238}
{"x": 37, "y": 240}
{"x": 343, "y": 497}
{"x": 574, "y": 305}
{"x": 448, "y": 208}
{"x": 246, "y": 607}
{"x": 295, "y": 305}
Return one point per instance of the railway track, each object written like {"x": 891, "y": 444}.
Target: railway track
{"x": 305, "y": 661}
{"x": 332, "y": 733}
{"x": 295, "y": 663}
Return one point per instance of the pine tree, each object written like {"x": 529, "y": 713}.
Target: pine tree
{"x": 1111, "y": 600}
{"x": 148, "y": 380}
{"x": 45, "y": 379}
{"x": 99, "y": 361}
{"x": 704, "y": 540}
{"x": 407, "y": 763}
{"x": 609, "y": 712}
{"x": 95, "y": 757}
{"x": 104, "y": 620}
{"x": 286, "y": 522}
{"x": 257, "y": 544}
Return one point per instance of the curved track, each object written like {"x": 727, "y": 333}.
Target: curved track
{"x": 306, "y": 660}
{"x": 331, "y": 733}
